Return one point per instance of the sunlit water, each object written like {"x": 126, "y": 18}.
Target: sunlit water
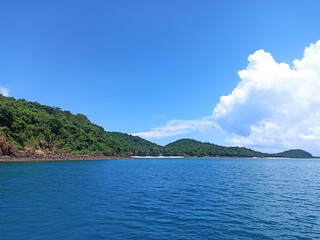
{"x": 161, "y": 199}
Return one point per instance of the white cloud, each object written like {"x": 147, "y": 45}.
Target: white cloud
{"x": 274, "y": 105}
{"x": 177, "y": 127}
{"x": 4, "y": 91}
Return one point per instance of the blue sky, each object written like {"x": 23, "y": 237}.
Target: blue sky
{"x": 135, "y": 66}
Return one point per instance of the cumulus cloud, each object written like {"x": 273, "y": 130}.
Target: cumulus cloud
{"x": 4, "y": 91}
{"x": 177, "y": 127}
{"x": 275, "y": 105}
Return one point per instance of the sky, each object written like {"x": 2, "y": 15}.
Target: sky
{"x": 243, "y": 73}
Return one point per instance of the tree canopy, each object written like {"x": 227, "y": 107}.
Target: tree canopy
{"x": 31, "y": 125}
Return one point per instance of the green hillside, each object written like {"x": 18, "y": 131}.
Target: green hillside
{"x": 294, "y": 153}
{"x": 190, "y": 147}
{"x": 193, "y": 148}
{"x": 136, "y": 145}
{"x": 32, "y": 126}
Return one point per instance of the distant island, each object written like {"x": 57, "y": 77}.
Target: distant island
{"x": 31, "y": 131}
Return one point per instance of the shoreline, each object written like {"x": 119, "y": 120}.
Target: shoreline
{"x": 82, "y": 157}
{"x": 58, "y": 158}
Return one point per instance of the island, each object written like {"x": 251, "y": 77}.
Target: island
{"x": 30, "y": 131}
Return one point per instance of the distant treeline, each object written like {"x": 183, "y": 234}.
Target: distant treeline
{"x": 34, "y": 126}
{"x": 190, "y": 147}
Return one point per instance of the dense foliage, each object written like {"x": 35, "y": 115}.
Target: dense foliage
{"x": 32, "y": 125}
{"x": 136, "y": 145}
{"x": 190, "y": 147}
{"x": 294, "y": 153}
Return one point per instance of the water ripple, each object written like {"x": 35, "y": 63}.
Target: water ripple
{"x": 161, "y": 199}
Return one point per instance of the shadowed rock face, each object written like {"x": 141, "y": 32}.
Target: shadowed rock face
{"x": 4, "y": 147}
{"x": 9, "y": 150}
{"x": 14, "y": 151}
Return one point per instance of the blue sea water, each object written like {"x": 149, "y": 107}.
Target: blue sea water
{"x": 161, "y": 199}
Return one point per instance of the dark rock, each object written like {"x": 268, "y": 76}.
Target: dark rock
{"x": 43, "y": 144}
{"x": 5, "y": 147}
{"x": 14, "y": 151}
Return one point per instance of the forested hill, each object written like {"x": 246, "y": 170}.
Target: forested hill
{"x": 30, "y": 126}
{"x": 294, "y": 153}
{"x": 190, "y": 147}
{"x": 136, "y": 145}
{"x": 193, "y": 148}
{"x": 35, "y": 126}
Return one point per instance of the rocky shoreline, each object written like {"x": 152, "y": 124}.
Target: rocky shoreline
{"x": 9, "y": 153}
{"x": 58, "y": 157}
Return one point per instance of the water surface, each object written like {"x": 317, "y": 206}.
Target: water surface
{"x": 161, "y": 199}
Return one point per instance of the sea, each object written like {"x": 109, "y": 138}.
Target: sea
{"x": 190, "y": 198}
